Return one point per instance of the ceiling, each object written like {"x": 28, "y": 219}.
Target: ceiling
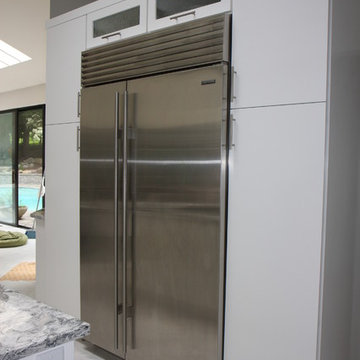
{"x": 22, "y": 25}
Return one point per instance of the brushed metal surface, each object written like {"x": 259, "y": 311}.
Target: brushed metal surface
{"x": 124, "y": 219}
{"x": 98, "y": 249}
{"x": 176, "y": 201}
{"x": 199, "y": 42}
{"x": 116, "y": 217}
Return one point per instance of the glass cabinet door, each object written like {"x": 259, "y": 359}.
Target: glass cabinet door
{"x": 166, "y": 8}
{"x": 116, "y": 22}
{"x": 163, "y": 13}
{"x": 8, "y": 199}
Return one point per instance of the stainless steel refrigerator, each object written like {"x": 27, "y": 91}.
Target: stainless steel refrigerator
{"x": 153, "y": 200}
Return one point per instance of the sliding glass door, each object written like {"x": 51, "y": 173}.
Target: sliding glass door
{"x": 8, "y": 198}
{"x": 30, "y": 162}
{"x": 21, "y": 164}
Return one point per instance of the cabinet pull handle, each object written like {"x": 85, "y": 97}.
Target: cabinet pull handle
{"x": 181, "y": 15}
{"x": 231, "y": 132}
{"x": 78, "y": 138}
{"x": 233, "y": 75}
{"x": 107, "y": 37}
{"x": 79, "y": 104}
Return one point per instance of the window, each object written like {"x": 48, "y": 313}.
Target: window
{"x": 21, "y": 163}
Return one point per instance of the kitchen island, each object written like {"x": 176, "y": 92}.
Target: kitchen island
{"x": 32, "y": 330}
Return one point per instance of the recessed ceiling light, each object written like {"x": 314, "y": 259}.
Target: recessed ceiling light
{"x": 10, "y": 56}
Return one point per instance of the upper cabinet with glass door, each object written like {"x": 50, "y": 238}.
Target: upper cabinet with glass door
{"x": 163, "y": 13}
{"x": 122, "y": 20}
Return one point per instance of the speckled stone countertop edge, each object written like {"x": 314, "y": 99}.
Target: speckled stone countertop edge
{"x": 38, "y": 328}
{"x": 21, "y": 353}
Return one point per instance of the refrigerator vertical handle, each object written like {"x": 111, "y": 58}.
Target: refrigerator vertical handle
{"x": 124, "y": 220}
{"x": 116, "y": 212}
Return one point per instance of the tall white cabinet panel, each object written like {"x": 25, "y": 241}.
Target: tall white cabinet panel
{"x": 279, "y": 51}
{"x": 62, "y": 218}
{"x": 65, "y": 42}
{"x": 274, "y": 233}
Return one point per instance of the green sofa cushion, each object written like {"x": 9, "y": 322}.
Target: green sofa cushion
{"x": 11, "y": 239}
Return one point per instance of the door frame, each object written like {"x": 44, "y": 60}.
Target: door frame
{"x": 16, "y": 112}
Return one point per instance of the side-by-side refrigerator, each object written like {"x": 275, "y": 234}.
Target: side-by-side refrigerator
{"x": 154, "y": 135}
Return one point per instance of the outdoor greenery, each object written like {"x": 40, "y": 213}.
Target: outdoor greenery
{"x": 31, "y": 127}
{"x": 6, "y": 141}
{"x": 31, "y": 138}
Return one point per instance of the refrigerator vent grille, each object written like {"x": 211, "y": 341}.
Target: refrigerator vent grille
{"x": 196, "y": 43}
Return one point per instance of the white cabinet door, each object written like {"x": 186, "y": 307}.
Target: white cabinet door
{"x": 65, "y": 42}
{"x": 279, "y": 51}
{"x": 163, "y": 13}
{"x": 274, "y": 233}
{"x": 116, "y": 22}
{"x": 62, "y": 218}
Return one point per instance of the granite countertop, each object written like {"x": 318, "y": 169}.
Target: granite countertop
{"x": 28, "y": 326}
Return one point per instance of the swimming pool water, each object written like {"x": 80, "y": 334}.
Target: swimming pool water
{"x": 27, "y": 196}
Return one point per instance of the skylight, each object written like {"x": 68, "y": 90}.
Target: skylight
{"x": 10, "y": 56}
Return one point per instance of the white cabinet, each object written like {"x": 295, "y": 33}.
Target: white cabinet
{"x": 41, "y": 261}
{"x": 163, "y": 13}
{"x": 65, "y": 42}
{"x": 116, "y": 22}
{"x": 62, "y": 289}
{"x": 274, "y": 233}
{"x": 279, "y": 51}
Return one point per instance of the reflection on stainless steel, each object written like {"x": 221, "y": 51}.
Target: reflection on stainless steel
{"x": 171, "y": 168}
{"x": 111, "y": 161}
{"x": 124, "y": 218}
{"x": 98, "y": 248}
{"x": 160, "y": 162}
{"x": 175, "y": 162}
{"x": 116, "y": 216}
{"x": 177, "y": 127}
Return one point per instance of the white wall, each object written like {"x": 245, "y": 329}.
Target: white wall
{"x": 34, "y": 95}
